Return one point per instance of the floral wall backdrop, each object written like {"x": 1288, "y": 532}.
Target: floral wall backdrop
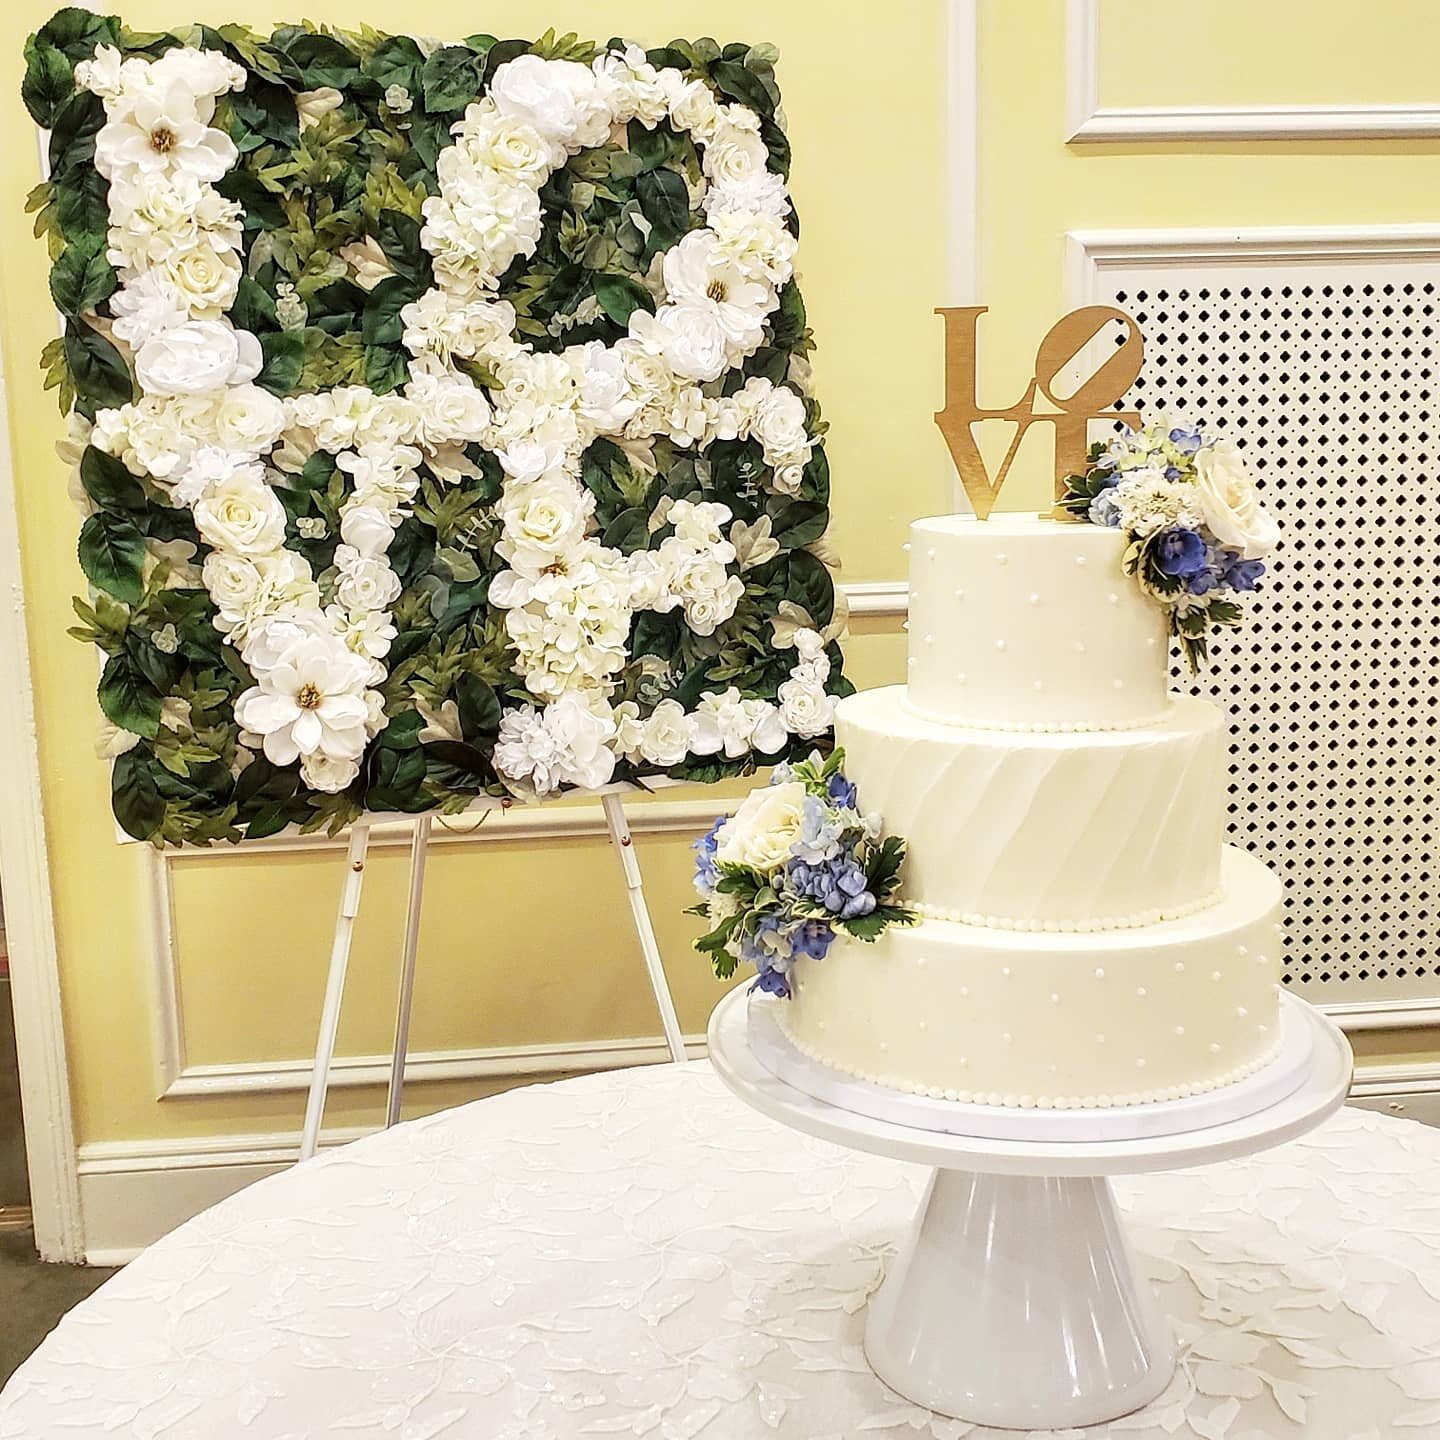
{"x": 440, "y": 412}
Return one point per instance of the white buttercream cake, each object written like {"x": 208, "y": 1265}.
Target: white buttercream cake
{"x": 1086, "y": 937}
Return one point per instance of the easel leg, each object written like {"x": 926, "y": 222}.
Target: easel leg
{"x": 419, "y": 844}
{"x": 640, "y": 913}
{"x": 335, "y": 987}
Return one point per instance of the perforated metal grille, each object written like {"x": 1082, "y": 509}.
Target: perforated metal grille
{"x": 1327, "y": 378}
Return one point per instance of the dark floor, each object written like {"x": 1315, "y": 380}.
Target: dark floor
{"x": 33, "y": 1297}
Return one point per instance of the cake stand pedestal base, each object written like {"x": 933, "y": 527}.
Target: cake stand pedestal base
{"x": 1015, "y": 1301}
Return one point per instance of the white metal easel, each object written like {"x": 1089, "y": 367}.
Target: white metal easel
{"x": 619, "y": 828}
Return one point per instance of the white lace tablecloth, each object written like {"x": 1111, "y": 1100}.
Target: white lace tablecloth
{"x": 639, "y": 1254}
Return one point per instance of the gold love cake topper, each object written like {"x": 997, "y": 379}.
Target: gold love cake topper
{"x": 1091, "y": 400}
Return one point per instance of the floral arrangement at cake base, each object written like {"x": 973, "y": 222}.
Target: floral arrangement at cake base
{"x": 796, "y": 866}
{"x": 440, "y": 415}
{"x": 1191, "y": 509}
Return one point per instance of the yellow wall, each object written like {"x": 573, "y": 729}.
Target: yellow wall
{"x": 252, "y": 932}
{"x": 866, "y": 103}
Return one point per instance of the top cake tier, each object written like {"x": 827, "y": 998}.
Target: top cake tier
{"x": 1024, "y": 623}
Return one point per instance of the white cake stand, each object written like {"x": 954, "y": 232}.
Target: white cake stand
{"x": 1014, "y": 1301}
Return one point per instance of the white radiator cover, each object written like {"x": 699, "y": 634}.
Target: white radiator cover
{"x": 1316, "y": 351}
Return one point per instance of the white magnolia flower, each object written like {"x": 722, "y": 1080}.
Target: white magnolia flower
{"x": 760, "y": 833}
{"x": 241, "y": 514}
{"x": 145, "y": 308}
{"x": 311, "y": 702}
{"x": 697, "y": 274}
{"x": 197, "y": 357}
{"x": 1230, "y": 501}
{"x": 163, "y": 127}
{"x": 313, "y": 106}
{"x": 688, "y": 337}
{"x": 566, "y": 743}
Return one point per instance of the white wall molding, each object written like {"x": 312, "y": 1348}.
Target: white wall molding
{"x": 29, "y": 913}
{"x": 1410, "y": 1090}
{"x": 177, "y": 1076}
{"x": 962, "y": 122}
{"x": 1088, "y": 253}
{"x": 1087, "y": 121}
{"x": 876, "y": 598}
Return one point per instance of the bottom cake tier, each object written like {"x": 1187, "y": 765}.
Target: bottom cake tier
{"x": 1000, "y": 1017}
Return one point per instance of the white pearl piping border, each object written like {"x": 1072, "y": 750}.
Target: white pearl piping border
{"x": 1034, "y": 727}
{"x": 1066, "y": 927}
{"x": 996, "y": 1099}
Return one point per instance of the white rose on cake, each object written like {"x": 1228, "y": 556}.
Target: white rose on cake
{"x": 1230, "y": 502}
{"x": 760, "y": 833}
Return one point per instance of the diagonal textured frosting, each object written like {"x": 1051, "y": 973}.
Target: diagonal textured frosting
{"x": 1043, "y": 831}
{"x": 1019, "y": 622}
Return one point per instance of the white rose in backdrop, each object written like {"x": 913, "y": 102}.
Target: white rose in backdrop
{"x": 556, "y": 98}
{"x": 542, "y": 519}
{"x": 760, "y": 833}
{"x": 273, "y": 637}
{"x": 241, "y": 514}
{"x": 205, "y": 275}
{"x": 508, "y": 144}
{"x": 366, "y": 581}
{"x": 246, "y": 590}
{"x": 692, "y": 105}
{"x": 778, "y": 423}
{"x": 733, "y": 155}
{"x": 249, "y": 418}
{"x": 1230, "y": 502}
{"x": 196, "y": 357}
{"x": 321, "y": 772}
{"x": 687, "y": 337}
{"x": 665, "y": 734}
{"x": 210, "y": 465}
{"x": 367, "y": 528}
{"x": 805, "y": 708}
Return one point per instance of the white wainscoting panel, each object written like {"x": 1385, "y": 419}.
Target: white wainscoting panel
{"x": 1089, "y": 122}
{"x": 1315, "y": 349}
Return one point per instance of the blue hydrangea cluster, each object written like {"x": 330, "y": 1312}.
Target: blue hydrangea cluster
{"x": 817, "y": 878}
{"x": 1191, "y": 506}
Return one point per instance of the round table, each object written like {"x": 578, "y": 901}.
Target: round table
{"x": 640, "y": 1254}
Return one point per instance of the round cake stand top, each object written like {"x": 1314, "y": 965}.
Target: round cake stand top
{"x": 1319, "y": 1096}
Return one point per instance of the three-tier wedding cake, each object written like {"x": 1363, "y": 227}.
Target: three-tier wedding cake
{"x": 1086, "y": 939}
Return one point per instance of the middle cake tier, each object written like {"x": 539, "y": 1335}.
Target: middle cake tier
{"x": 1082, "y": 830}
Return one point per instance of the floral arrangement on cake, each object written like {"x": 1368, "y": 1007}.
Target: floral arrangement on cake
{"x": 440, "y": 415}
{"x": 1190, "y": 506}
{"x": 795, "y": 866}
